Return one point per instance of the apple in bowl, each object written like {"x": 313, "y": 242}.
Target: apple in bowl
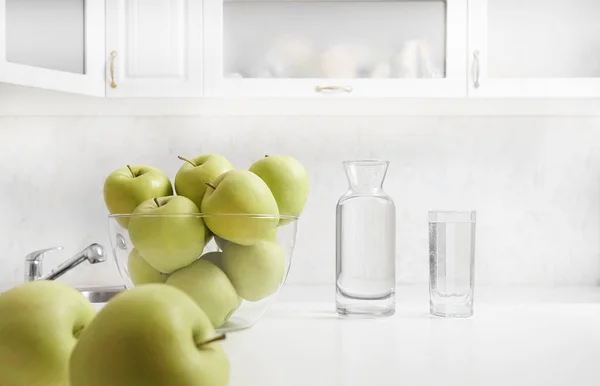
{"x": 226, "y": 239}
{"x": 234, "y": 285}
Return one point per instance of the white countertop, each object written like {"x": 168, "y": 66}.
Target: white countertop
{"x": 518, "y": 336}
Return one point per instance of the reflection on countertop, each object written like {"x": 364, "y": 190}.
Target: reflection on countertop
{"x": 541, "y": 337}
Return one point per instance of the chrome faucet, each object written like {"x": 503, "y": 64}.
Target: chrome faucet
{"x": 94, "y": 253}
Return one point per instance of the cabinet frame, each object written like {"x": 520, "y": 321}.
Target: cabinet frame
{"x": 89, "y": 83}
{"x": 453, "y": 85}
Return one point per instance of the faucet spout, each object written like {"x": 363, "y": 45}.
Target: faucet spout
{"x": 94, "y": 254}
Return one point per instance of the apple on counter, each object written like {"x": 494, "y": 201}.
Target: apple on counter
{"x": 126, "y": 188}
{"x": 152, "y": 335}
{"x": 210, "y": 288}
{"x": 162, "y": 332}
{"x": 165, "y": 238}
{"x": 240, "y": 192}
{"x": 40, "y": 323}
{"x": 195, "y": 173}
{"x": 288, "y": 181}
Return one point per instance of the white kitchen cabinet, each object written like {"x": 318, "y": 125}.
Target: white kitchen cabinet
{"x": 56, "y": 45}
{"x": 154, "y": 48}
{"x": 309, "y": 48}
{"x": 534, "y": 48}
{"x": 303, "y": 48}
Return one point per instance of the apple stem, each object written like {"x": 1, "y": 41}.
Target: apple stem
{"x": 186, "y": 160}
{"x": 215, "y": 339}
{"x": 266, "y": 156}
{"x": 78, "y": 330}
{"x": 211, "y": 185}
{"x": 156, "y": 201}
{"x": 131, "y": 170}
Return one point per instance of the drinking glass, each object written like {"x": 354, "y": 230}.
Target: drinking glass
{"x": 451, "y": 262}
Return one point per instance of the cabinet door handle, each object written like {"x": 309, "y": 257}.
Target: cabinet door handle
{"x": 347, "y": 89}
{"x": 476, "y": 70}
{"x": 113, "y": 55}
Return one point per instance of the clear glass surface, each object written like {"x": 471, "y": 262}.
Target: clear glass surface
{"x": 46, "y": 34}
{"x": 334, "y": 39}
{"x": 451, "y": 263}
{"x": 543, "y": 39}
{"x": 365, "y": 243}
{"x": 249, "y": 312}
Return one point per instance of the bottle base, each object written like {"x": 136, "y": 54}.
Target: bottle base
{"x": 451, "y": 310}
{"x": 350, "y": 307}
{"x": 364, "y": 312}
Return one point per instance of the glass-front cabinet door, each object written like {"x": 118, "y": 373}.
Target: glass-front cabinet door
{"x": 412, "y": 48}
{"x": 534, "y": 48}
{"x": 56, "y": 45}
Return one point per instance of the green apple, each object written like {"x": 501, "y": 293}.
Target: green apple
{"x": 152, "y": 335}
{"x": 209, "y": 287}
{"x": 287, "y": 179}
{"x": 235, "y": 193}
{"x": 126, "y": 188}
{"x": 193, "y": 175}
{"x": 141, "y": 272}
{"x": 256, "y": 271}
{"x": 40, "y": 323}
{"x": 166, "y": 234}
{"x": 216, "y": 258}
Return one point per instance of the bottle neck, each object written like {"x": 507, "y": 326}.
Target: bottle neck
{"x": 366, "y": 176}
{"x": 365, "y": 189}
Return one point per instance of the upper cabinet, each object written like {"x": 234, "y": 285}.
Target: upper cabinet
{"x": 56, "y": 45}
{"x": 303, "y": 48}
{"x": 534, "y": 48}
{"x": 345, "y": 48}
{"x": 154, "y": 48}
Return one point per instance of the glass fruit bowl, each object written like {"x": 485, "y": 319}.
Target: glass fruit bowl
{"x": 234, "y": 278}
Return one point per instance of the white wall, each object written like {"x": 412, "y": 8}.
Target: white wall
{"x": 534, "y": 181}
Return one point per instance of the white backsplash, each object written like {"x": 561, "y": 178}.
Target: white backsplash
{"x": 535, "y": 182}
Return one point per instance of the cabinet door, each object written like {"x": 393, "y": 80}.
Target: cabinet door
{"x": 154, "y": 48}
{"x": 398, "y": 48}
{"x": 534, "y": 48}
{"x": 56, "y": 45}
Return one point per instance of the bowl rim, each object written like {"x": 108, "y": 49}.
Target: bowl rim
{"x": 203, "y": 215}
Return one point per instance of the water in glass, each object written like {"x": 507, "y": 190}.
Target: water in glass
{"x": 451, "y": 263}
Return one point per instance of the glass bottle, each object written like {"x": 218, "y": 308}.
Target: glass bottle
{"x": 365, "y": 243}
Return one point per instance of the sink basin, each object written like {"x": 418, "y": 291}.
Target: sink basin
{"x": 100, "y": 294}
